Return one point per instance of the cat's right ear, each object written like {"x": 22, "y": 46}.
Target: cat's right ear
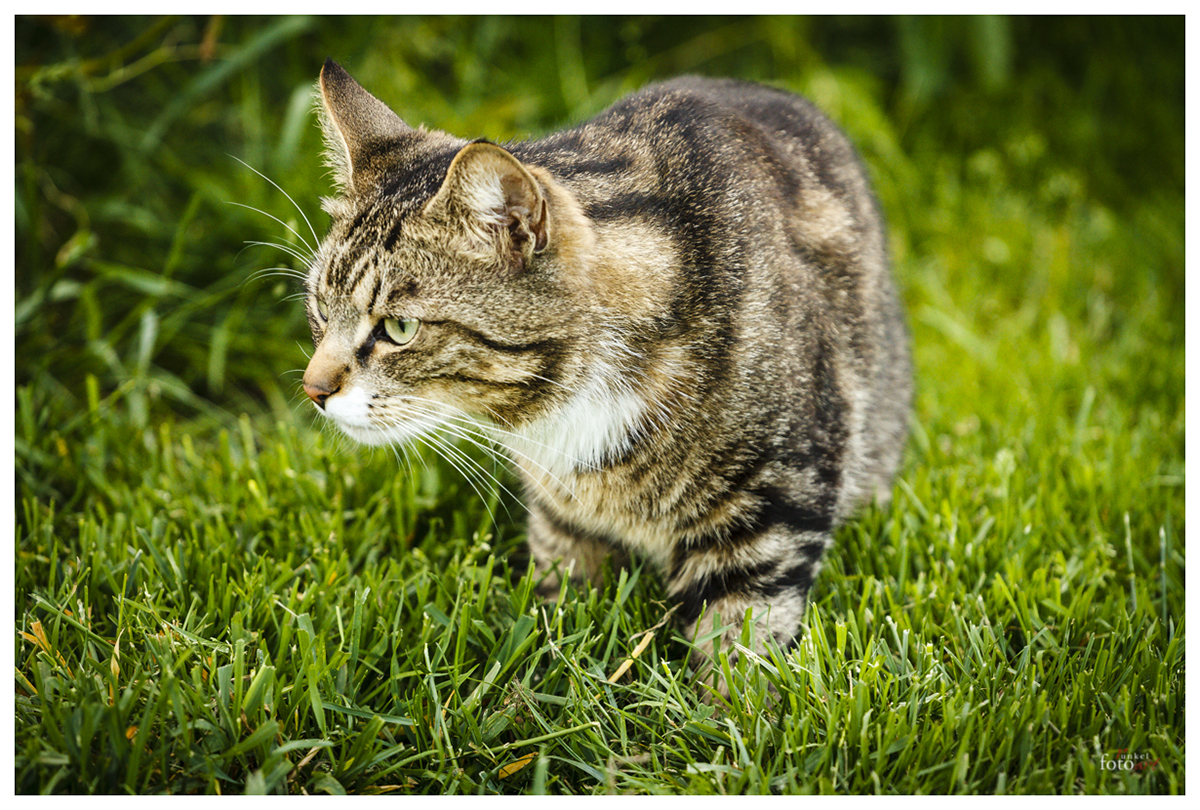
{"x": 358, "y": 127}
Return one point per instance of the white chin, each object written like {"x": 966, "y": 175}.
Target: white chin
{"x": 372, "y": 437}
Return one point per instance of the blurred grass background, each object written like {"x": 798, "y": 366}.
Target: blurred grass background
{"x": 130, "y": 260}
{"x": 1031, "y": 170}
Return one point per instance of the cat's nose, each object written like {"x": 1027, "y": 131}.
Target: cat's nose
{"x": 325, "y": 373}
{"x": 318, "y": 394}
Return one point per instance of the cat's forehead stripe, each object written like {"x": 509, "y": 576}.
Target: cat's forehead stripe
{"x": 364, "y": 287}
{"x": 374, "y": 296}
{"x": 348, "y": 268}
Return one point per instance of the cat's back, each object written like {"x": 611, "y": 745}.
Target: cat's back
{"x": 700, "y": 138}
{"x": 711, "y": 110}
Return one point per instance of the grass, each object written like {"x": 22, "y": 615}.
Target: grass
{"x": 212, "y": 596}
{"x": 249, "y": 616}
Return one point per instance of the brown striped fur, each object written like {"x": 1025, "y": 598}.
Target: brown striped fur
{"x": 677, "y": 318}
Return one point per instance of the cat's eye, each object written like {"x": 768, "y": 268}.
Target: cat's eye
{"x": 400, "y": 330}
{"x": 322, "y": 308}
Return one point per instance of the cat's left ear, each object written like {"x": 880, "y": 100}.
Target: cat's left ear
{"x": 498, "y": 199}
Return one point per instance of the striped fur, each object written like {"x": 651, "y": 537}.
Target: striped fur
{"x": 677, "y": 319}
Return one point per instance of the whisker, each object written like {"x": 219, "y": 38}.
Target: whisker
{"x": 462, "y": 463}
{"x": 466, "y": 418}
{"x": 316, "y": 239}
{"x": 485, "y": 475}
{"x": 560, "y": 384}
{"x": 281, "y": 272}
{"x": 456, "y": 425}
{"x": 291, "y": 250}
{"x": 303, "y": 241}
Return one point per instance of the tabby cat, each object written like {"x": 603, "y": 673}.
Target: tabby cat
{"x": 676, "y": 318}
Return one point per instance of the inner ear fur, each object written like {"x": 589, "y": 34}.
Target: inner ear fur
{"x": 496, "y": 197}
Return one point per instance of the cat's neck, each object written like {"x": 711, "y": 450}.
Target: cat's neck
{"x": 598, "y": 421}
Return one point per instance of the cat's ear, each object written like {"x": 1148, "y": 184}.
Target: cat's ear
{"x": 358, "y": 129}
{"x": 497, "y": 198}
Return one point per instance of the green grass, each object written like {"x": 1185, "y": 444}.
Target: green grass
{"x": 212, "y": 595}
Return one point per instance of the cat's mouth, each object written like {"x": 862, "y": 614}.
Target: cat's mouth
{"x": 361, "y": 417}
{"x": 350, "y": 409}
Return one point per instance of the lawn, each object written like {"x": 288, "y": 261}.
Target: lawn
{"x": 214, "y": 594}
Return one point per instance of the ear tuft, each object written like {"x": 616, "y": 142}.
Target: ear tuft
{"x": 357, "y": 126}
{"x": 497, "y": 198}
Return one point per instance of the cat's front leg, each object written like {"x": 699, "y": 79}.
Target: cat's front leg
{"x": 770, "y": 576}
{"x": 560, "y": 549}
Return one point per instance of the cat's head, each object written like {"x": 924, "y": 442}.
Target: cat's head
{"x": 453, "y": 282}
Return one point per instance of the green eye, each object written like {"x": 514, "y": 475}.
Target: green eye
{"x": 322, "y": 309}
{"x": 400, "y": 330}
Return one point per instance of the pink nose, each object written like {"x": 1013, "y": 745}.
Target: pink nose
{"x": 318, "y": 394}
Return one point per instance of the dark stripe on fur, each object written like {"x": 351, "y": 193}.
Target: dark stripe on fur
{"x": 357, "y": 222}
{"x": 417, "y": 179}
{"x": 830, "y": 431}
{"x": 707, "y": 590}
{"x": 774, "y": 511}
{"x": 571, "y": 529}
{"x": 393, "y": 236}
{"x": 340, "y": 266}
{"x": 461, "y": 363}
{"x": 798, "y": 577}
{"x": 762, "y": 581}
{"x": 374, "y": 298}
{"x": 364, "y": 351}
{"x": 570, "y": 165}
{"x": 406, "y": 289}
{"x": 547, "y": 346}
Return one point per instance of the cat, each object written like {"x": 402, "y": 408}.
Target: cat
{"x": 676, "y": 318}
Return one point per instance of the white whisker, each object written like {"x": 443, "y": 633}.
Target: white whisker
{"x": 466, "y": 466}
{"x": 316, "y": 239}
{"x": 304, "y": 242}
{"x": 462, "y": 428}
{"x": 285, "y": 272}
{"x": 292, "y": 251}
{"x": 436, "y": 426}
